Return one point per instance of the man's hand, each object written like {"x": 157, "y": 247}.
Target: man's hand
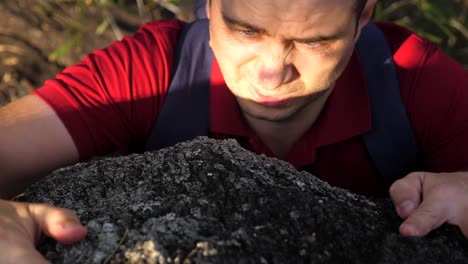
{"x": 427, "y": 200}
{"x": 22, "y": 224}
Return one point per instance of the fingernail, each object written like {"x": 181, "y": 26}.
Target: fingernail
{"x": 409, "y": 230}
{"x": 70, "y": 224}
{"x": 406, "y": 208}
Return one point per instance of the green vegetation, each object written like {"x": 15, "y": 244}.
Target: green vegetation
{"x": 77, "y": 26}
{"x": 445, "y": 22}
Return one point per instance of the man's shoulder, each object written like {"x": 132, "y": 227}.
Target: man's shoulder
{"x": 162, "y": 26}
{"x": 401, "y": 38}
{"x": 416, "y": 57}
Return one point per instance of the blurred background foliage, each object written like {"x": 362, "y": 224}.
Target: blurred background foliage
{"x": 118, "y": 16}
{"x": 39, "y": 38}
{"x": 444, "y": 22}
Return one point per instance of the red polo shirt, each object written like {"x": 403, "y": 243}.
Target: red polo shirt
{"x": 109, "y": 102}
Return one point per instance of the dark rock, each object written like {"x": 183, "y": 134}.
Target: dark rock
{"x": 210, "y": 201}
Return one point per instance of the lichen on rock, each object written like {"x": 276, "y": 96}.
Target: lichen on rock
{"x": 208, "y": 201}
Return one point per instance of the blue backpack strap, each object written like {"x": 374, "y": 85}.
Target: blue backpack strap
{"x": 185, "y": 112}
{"x": 199, "y": 9}
{"x": 391, "y": 142}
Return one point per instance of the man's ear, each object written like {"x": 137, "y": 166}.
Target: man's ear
{"x": 208, "y": 8}
{"x": 366, "y": 16}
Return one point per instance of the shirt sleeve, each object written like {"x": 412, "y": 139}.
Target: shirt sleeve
{"x": 109, "y": 101}
{"x": 435, "y": 91}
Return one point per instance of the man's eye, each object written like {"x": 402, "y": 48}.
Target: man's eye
{"x": 312, "y": 44}
{"x": 247, "y": 32}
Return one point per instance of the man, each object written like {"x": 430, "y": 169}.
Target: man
{"x": 286, "y": 82}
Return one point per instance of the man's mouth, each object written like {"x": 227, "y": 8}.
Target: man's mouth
{"x": 269, "y": 100}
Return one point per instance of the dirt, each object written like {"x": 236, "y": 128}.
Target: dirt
{"x": 210, "y": 201}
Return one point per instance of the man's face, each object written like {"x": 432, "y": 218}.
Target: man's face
{"x": 279, "y": 56}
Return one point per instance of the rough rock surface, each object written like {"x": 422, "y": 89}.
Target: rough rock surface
{"x": 210, "y": 201}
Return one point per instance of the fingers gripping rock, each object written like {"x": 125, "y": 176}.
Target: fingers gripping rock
{"x": 208, "y": 201}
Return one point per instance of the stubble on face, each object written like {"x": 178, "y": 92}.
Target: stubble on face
{"x": 239, "y": 74}
{"x": 284, "y": 112}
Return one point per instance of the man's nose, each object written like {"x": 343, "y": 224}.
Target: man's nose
{"x": 272, "y": 67}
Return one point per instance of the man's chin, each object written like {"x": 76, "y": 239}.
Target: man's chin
{"x": 269, "y": 113}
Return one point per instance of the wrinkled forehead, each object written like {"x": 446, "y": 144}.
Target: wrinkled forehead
{"x": 295, "y": 15}
{"x": 286, "y": 8}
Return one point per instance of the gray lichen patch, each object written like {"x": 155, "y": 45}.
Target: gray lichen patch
{"x": 208, "y": 201}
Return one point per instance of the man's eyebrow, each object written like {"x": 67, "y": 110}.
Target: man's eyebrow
{"x": 320, "y": 38}
{"x": 242, "y": 24}
{"x": 238, "y": 23}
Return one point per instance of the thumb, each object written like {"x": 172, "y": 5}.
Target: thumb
{"x": 431, "y": 214}
{"x": 406, "y": 193}
{"x": 58, "y": 223}
{"x": 20, "y": 251}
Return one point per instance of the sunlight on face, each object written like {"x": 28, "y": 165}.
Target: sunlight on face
{"x": 279, "y": 56}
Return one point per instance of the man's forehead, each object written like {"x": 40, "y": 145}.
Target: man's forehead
{"x": 289, "y": 15}
{"x": 287, "y": 5}
{"x": 286, "y": 10}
